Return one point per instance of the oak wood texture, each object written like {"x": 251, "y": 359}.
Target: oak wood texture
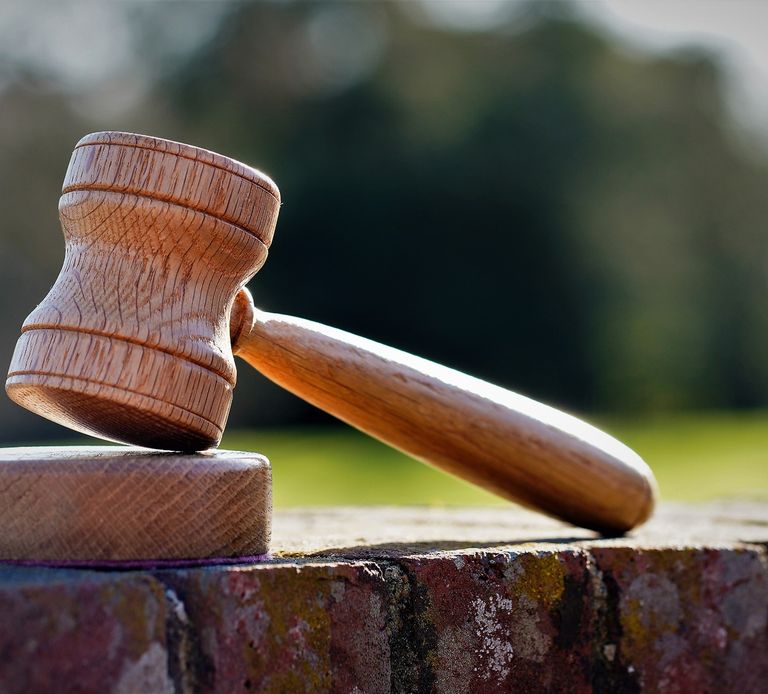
{"x": 507, "y": 443}
{"x": 134, "y": 342}
{"x": 108, "y": 503}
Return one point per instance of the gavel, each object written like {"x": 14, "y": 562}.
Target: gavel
{"x": 135, "y": 341}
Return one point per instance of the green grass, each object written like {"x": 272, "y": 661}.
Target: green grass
{"x": 342, "y": 466}
{"x": 695, "y": 458}
{"x": 703, "y": 456}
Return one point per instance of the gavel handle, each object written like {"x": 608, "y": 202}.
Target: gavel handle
{"x": 502, "y": 441}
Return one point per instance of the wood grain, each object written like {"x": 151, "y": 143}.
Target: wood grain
{"x": 509, "y": 444}
{"x": 105, "y": 503}
{"x": 134, "y": 342}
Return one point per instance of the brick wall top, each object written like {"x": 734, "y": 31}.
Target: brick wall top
{"x": 413, "y": 600}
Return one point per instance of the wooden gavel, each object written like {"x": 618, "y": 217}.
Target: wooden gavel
{"x": 134, "y": 342}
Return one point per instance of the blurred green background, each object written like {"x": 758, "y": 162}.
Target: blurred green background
{"x": 569, "y": 199}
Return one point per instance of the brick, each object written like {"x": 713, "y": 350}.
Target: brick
{"x": 498, "y": 622}
{"x": 413, "y": 600}
{"x": 288, "y": 628}
{"x": 688, "y": 619}
{"x": 78, "y": 631}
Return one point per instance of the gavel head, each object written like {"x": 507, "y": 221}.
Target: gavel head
{"x": 132, "y": 343}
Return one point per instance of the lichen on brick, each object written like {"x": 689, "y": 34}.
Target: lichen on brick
{"x": 65, "y": 630}
{"x": 147, "y": 674}
{"x": 691, "y": 619}
{"x": 600, "y": 615}
{"x": 539, "y": 575}
{"x": 650, "y": 608}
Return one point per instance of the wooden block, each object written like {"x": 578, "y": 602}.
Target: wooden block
{"x": 106, "y": 503}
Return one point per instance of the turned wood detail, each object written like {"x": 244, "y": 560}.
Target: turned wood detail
{"x": 132, "y": 342}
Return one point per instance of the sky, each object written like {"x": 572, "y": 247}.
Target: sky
{"x": 52, "y": 36}
{"x": 737, "y": 30}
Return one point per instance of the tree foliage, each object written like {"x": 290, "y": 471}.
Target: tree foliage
{"x": 530, "y": 203}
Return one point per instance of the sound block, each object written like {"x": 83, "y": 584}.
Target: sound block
{"x": 106, "y": 504}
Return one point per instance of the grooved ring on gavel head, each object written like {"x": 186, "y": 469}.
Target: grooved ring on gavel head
{"x": 132, "y": 342}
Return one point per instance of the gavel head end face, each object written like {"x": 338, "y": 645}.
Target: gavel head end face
{"x": 132, "y": 343}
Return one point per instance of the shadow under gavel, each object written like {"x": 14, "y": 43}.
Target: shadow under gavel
{"x": 134, "y": 342}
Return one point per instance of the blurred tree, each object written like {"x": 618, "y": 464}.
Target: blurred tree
{"x": 529, "y": 203}
{"x": 37, "y": 131}
{"x": 532, "y": 205}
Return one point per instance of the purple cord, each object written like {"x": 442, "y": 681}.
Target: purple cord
{"x": 136, "y": 563}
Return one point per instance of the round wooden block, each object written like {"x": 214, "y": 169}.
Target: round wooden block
{"x": 112, "y": 504}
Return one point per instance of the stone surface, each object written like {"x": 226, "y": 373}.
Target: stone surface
{"x": 83, "y": 631}
{"x": 413, "y": 600}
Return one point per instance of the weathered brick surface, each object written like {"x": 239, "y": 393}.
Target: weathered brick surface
{"x": 499, "y": 622}
{"x": 287, "y": 628}
{"x": 451, "y": 607}
{"x": 69, "y": 631}
{"x": 688, "y": 619}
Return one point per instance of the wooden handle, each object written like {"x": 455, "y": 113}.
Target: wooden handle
{"x": 507, "y": 443}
